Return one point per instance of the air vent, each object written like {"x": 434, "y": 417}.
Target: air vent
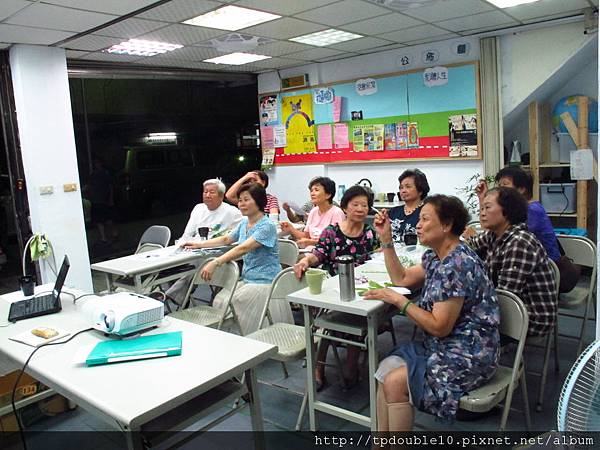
{"x": 235, "y": 42}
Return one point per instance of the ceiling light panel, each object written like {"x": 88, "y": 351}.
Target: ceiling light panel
{"x": 326, "y": 37}
{"x": 231, "y": 18}
{"x": 140, "y": 47}
{"x": 237, "y": 59}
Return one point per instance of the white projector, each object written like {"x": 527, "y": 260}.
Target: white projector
{"x": 124, "y": 313}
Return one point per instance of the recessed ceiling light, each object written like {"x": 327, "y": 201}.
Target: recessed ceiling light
{"x": 326, "y": 37}
{"x": 139, "y": 47}
{"x": 231, "y": 18}
{"x": 509, "y": 3}
{"x": 237, "y": 59}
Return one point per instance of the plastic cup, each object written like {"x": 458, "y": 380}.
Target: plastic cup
{"x": 390, "y": 197}
{"x": 314, "y": 279}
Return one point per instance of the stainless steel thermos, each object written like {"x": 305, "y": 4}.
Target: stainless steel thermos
{"x": 345, "y": 269}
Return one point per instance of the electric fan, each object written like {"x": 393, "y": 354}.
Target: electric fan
{"x": 579, "y": 404}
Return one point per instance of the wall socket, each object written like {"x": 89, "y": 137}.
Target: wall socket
{"x": 46, "y": 190}
{"x": 70, "y": 187}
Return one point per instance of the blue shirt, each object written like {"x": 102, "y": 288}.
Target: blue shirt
{"x": 261, "y": 265}
{"x": 539, "y": 224}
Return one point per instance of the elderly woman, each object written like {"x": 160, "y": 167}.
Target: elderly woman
{"x": 413, "y": 189}
{"x": 458, "y": 312}
{"x": 257, "y": 243}
{"x": 349, "y": 237}
{"x": 324, "y": 213}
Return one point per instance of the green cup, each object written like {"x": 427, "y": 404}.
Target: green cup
{"x": 314, "y": 279}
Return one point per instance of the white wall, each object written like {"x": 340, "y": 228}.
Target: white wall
{"x": 291, "y": 182}
{"x": 45, "y": 121}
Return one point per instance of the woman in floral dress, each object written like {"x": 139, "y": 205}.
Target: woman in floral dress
{"x": 349, "y": 237}
{"x": 458, "y": 312}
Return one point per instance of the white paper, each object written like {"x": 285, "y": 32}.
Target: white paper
{"x": 582, "y": 164}
{"x": 279, "y": 136}
{"x": 28, "y": 338}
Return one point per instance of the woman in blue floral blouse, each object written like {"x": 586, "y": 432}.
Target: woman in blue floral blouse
{"x": 458, "y": 312}
{"x": 350, "y": 237}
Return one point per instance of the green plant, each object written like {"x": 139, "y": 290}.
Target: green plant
{"x": 468, "y": 191}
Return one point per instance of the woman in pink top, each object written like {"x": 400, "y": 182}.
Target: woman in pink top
{"x": 324, "y": 213}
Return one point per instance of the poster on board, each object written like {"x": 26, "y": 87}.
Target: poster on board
{"x": 297, "y": 111}
{"x": 267, "y": 110}
{"x": 463, "y": 135}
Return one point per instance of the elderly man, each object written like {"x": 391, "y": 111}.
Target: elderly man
{"x": 212, "y": 213}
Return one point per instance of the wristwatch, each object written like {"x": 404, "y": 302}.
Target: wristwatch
{"x": 387, "y": 245}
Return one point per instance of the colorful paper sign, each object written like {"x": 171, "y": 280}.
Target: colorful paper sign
{"x": 337, "y": 109}
{"x": 366, "y": 86}
{"x": 435, "y": 76}
{"x": 463, "y": 135}
{"x": 266, "y": 137}
{"x": 299, "y": 123}
{"x": 325, "y": 137}
{"x": 323, "y": 96}
{"x": 340, "y": 136}
{"x": 268, "y": 110}
{"x": 279, "y": 136}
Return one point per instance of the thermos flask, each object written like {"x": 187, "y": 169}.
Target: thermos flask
{"x": 345, "y": 269}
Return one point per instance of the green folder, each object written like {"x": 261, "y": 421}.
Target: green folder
{"x": 144, "y": 347}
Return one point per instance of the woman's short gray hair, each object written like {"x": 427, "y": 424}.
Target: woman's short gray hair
{"x": 217, "y": 182}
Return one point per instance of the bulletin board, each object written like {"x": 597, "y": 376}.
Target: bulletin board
{"x": 420, "y": 114}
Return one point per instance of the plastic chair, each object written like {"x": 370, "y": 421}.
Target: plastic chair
{"x": 514, "y": 322}
{"x": 224, "y": 277}
{"x": 547, "y": 347}
{"x": 476, "y": 225}
{"x": 155, "y": 237}
{"x": 581, "y": 251}
{"x": 288, "y": 252}
{"x": 289, "y": 339}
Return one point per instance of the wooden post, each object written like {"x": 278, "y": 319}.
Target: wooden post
{"x": 534, "y": 148}
{"x": 583, "y": 138}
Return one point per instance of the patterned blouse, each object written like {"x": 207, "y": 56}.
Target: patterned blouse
{"x": 468, "y": 356}
{"x": 518, "y": 263}
{"x": 333, "y": 243}
{"x": 403, "y": 224}
{"x": 272, "y": 203}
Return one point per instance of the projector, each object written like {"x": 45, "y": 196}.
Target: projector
{"x": 124, "y": 313}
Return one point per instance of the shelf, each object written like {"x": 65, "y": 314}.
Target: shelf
{"x": 562, "y": 215}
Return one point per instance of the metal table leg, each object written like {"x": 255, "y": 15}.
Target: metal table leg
{"x": 255, "y": 409}
{"x": 310, "y": 367}
{"x": 372, "y": 355}
{"x": 137, "y": 280}
{"x": 108, "y": 278}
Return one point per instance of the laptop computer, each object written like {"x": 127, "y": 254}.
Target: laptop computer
{"x": 40, "y": 305}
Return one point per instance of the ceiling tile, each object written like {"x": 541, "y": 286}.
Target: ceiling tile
{"x": 181, "y": 34}
{"x": 180, "y": 10}
{"x": 412, "y": 34}
{"x": 360, "y": 44}
{"x": 284, "y": 28}
{"x": 279, "y": 48}
{"x": 546, "y": 8}
{"x": 337, "y": 57}
{"x": 75, "y": 54}
{"x": 118, "y": 7}
{"x": 9, "y": 7}
{"x": 153, "y": 61}
{"x": 130, "y": 28}
{"x": 26, "y": 35}
{"x": 382, "y": 24}
{"x": 101, "y": 56}
{"x": 58, "y": 18}
{"x": 478, "y": 21}
{"x": 191, "y": 53}
{"x": 342, "y": 12}
{"x": 91, "y": 42}
{"x": 315, "y": 53}
{"x": 381, "y": 49}
{"x": 283, "y": 7}
{"x": 449, "y": 10}
{"x": 274, "y": 63}
{"x": 429, "y": 39}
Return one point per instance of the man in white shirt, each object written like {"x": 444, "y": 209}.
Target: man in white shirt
{"x": 214, "y": 213}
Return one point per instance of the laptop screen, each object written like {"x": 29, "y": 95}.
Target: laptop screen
{"x": 60, "y": 279}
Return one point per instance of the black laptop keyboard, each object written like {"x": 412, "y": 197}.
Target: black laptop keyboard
{"x": 32, "y": 307}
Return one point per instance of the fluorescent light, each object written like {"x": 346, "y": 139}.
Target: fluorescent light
{"x": 231, "y": 18}
{"x": 509, "y": 3}
{"x": 326, "y": 37}
{"x": 161, "y": 138}
{"x": 237, "y": 59}
{"x": 140, "y": 47}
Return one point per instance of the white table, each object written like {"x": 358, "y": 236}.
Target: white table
{"x": 142, "y": 396}
{"x": 141, "y": 264}
{"x": 329, "y": 299}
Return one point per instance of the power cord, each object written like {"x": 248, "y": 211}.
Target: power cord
{"x": 14, "y": 390}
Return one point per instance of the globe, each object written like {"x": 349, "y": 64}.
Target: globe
{"x": 569, "y": 104}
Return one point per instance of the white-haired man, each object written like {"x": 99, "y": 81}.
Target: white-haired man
{"x": 212, "y": 213}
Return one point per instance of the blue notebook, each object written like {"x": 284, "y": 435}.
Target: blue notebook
{"x": 144, "y": 347}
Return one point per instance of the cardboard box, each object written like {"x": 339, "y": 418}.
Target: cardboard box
{"x": 27, "y": 387}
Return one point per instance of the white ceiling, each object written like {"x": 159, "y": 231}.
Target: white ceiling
{"x": 86, "y": 27}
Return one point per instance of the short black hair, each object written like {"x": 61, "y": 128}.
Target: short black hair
{"x": 450, "y": 210}
{"x": 257, "y": 192}
{"x": 355, "y": 191}
{"x": 263, "y": 177}
{"x": 327, "y": 183}
{"x": 520, "y": 179}
{"x": 420, "y": 181}
{"x": 514, "y": 205}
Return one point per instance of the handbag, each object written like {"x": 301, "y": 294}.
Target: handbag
{"x": 569, "y": 271}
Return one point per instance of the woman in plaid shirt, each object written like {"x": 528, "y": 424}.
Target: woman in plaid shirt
{"x": 515, "y": 259}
